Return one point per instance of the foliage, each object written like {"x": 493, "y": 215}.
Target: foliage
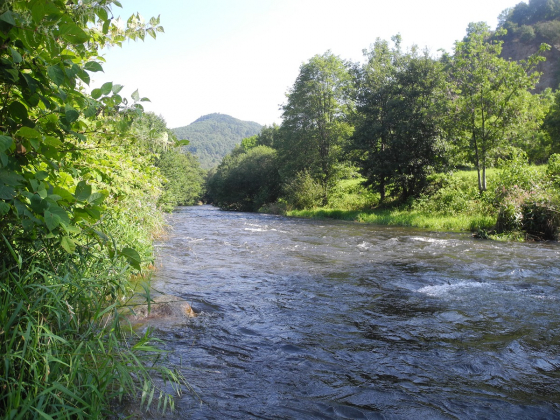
{"x": 492, "y": 96}
{"x": 185, "y": 185}
{"x": 215, "y": 135}
{"x": 77, "y": 214}
{"x": 245, "y": 181}
{"x": 315, "y": 123}
{"x": 401, "y": 100}
{"x": 303, "y": 192}
{"x": 525, "y": 200}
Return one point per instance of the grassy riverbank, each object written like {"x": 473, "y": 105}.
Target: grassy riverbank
{"x": 451, "y": 202}
{"x": 396, "y": 217}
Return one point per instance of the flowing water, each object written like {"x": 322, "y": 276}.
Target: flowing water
{"x": 303, "y": 319}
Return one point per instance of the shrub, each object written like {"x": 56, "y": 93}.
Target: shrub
{"x": 303, "y": 192}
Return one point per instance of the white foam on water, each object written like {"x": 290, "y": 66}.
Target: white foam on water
{"x": 429, "y": 240}
{"x": 445, "y": 289}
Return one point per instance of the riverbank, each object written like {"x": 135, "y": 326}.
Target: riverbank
{"x": 406, "y": 218}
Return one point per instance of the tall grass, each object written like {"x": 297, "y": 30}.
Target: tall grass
{"x": 64, "y": 354}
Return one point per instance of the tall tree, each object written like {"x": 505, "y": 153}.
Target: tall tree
{"x": 400, "y": 104}
{"x": 491, "y": 95}
{"x": 315, "y": 123}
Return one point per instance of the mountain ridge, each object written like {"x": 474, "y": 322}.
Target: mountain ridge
{"x": 212, "y": 136}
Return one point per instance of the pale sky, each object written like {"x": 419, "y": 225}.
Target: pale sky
{"x": 240, "y": 57}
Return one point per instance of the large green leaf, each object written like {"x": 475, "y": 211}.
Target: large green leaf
{"x": 132, "y": 257}
{"x": 28, "y": 133}
{"x": 68, "y": 244}
{"x": 5, "y": 143}
{"x": 83, "y": 191}
{"x": 93, "y": 66}
{"x": 135, "y": 95}
{"x": 8, "y": 17}
{"x": 106, "y": 88}
{"x": 71, "y": 114}
{"x": 4, "y": 208}
{"x": 56, "y": 74}
{"x": 17, "y": 110}
{"x": 73, "y": 33}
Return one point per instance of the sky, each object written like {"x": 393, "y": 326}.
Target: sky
{"x": 240, "y": 57}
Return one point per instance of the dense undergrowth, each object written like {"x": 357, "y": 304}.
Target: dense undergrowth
{"x": 81, "y": 198}
{"x": 522, "y": 202}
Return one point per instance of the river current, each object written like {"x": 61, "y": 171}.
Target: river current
{"x": 305, "y": 319}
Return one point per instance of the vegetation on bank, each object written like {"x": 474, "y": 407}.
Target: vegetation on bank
{"x": 83, "y": 179}
{"x": 402, "y": 122}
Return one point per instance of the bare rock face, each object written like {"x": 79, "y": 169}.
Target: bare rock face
{"x": 163, "y": 308}
{"x": 518, "y": 50}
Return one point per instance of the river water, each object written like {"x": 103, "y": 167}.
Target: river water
{"x": 304, "y": 319}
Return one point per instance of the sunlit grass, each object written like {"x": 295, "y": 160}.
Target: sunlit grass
{"x": 460, "y": 222}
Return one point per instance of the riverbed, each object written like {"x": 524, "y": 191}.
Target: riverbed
{"x": 306, "y": 319}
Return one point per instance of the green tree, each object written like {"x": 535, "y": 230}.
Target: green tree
{"x": 245, "y": 181}
{"x": 491, "y": 96}
{"x": 400, "y": 104}
{"x": 315, "y": 124}
{"x": 185, "y": 179}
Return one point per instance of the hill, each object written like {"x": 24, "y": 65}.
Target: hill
{"x": 213, "y": 136}
{"x": 529, "y": 25}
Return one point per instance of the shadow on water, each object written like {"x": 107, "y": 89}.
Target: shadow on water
{"x": 307, "y": 319}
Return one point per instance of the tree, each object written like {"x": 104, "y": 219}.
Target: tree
{"x": 400, "y": 104}
{"x": 315, "y": 124}
{"x": 245, "y": 181}
{"x": 491, "y": 94}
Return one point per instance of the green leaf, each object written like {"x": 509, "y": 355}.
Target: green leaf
{"x": 83, "y": 191}
{"x": 106, "y": 88}
{"x": 182, "y": 143}
{"x": 96, "y": 93}
{"x": 71, "y": 114}
{"x": 96, "y": 198}
{"x": 5, "y": 143}
{"x": 17, "y": 110}
{"x": 52, "y": 141}
{"x": 117, "y": 89}
{"x": 73, "y": 33}
{"x": 7, "y": 192}
{"x": 132, "y": 257}
{"x": 4, "y": 208}
{"x": 136, "y": 96}
{"x": 145, "y": 100}
{"x": 8, "y": 17}
{"x": 28, "y": 133}
{"x": 68, "y": 244}
{"x": 84, "y": 76}
{"x": 93, "y": 66}
{"x": 51, "y": 220}
{"x": 65, "y": 194}
{"x": 56, "y": 74}
{"x": 16, "y": 56}
{"x": 101, "y": 13}
{"x": 38, "y": 12}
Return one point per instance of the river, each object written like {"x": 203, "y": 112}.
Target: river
{"x": 306, "y": 319}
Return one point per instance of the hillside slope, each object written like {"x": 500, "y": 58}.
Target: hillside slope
{"x": 213, "y": 136}
{"x": 529, "y": 25}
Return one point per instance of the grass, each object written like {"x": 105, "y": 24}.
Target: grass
{"x": 453, "y": 204}
{"x": 411, "y": 218}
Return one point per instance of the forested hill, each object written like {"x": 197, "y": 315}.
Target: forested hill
{"x": 529, "y": 25}
{"x": 213, "y": 136}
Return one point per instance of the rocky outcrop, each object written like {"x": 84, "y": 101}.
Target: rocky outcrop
{"x": 515, "y": 49}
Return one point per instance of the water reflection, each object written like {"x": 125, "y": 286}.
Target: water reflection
{"x": 307, "y": 319}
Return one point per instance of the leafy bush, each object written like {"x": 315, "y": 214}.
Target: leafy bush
{"x": 303, "y": 192}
